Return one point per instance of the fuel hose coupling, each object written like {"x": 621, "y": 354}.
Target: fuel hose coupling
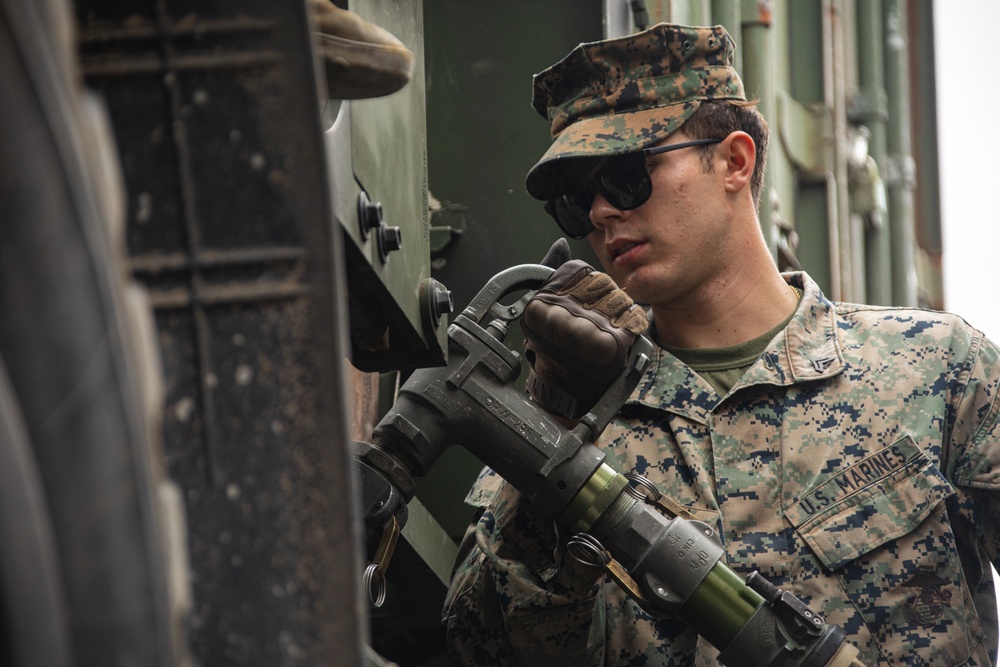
{"x": 671, "y": 564}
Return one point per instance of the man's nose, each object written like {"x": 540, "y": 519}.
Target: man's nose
{"x": 603, "y": 211}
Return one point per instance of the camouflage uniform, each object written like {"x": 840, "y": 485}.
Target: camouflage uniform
{"x": 854, "y": 465}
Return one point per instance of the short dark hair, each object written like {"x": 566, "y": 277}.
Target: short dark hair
{"x": 720, "y": 118}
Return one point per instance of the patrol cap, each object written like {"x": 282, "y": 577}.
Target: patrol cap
{"x": 621, "y": 95}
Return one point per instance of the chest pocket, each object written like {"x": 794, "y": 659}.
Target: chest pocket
{"x": 882, "y": 531}
{"x": 884, "y": 496}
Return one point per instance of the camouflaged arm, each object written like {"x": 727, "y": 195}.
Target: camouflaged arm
{"x": 514, "y": 597}
{"x": 973, "y": 446}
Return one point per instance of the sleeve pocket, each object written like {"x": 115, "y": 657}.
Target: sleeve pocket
{"x": 884, "y": 496}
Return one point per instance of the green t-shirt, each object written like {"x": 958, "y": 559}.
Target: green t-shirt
{"x": 722, "y": 367}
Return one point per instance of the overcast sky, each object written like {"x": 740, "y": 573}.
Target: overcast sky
{"x": 968, "y": 102}
{"x": 966, "y": 37}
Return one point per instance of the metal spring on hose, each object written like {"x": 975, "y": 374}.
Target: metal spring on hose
{"x": 375, "y": 587}
{"x": 586, "y": 549}
{"x": 648, "y": 492}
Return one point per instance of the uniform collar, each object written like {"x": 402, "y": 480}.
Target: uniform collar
{"x": 808, "y": 349}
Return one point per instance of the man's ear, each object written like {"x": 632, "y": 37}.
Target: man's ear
{"x": 741, "y": 157}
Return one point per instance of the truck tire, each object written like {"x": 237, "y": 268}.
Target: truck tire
{"x": 81, "y": 373}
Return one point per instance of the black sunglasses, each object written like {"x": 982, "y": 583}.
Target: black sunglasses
{"x": 624, "y": 182}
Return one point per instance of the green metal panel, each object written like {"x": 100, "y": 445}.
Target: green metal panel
{"x": 900, "y": 175}
{"x": 927, "y": 212}
{"x": 379, "y": 147}
{"x": 388, "y": 147}
{"x": 758, "y": 80}
{"x": 482, "y": 137}
{"x": 781, "y": 172}
{"x": 727, "y": 13}
{"x": 850, "y": 259}
{"x": 869, "y": 110}
{"x": 806, "y": 87}
{"x": 691, "y": 12}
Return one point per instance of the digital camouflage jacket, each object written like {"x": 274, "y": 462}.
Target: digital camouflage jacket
{"x": 856, "y": 465}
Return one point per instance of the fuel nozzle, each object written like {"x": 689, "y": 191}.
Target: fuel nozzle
{"x": 672, "y": 564}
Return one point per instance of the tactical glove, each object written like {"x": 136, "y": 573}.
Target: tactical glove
{"x": 578, "y": 330}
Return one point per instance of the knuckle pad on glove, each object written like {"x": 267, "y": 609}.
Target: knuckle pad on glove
{"x": 574, "y": 335}
{"x": 631, "y": 319}
{"x": 578, "y": 329}
{"x": 613, "y": 305}
{"x": 589, "y": 288}
{"x": 634, "y": 321}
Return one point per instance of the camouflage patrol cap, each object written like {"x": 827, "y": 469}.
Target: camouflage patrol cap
{"x": 624, "y": 94}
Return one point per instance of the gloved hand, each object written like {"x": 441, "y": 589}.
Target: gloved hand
{"x": 578, "y": 330}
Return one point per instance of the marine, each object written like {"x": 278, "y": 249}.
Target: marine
{"x": 849, "y": 453}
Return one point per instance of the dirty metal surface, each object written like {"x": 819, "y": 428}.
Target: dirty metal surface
{"x": 216, "y": 117}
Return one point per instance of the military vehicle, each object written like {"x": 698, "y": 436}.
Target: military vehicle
{"x": 215, "y": 278}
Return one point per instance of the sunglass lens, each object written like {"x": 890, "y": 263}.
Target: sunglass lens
{"x": 572, "y": 211}
{"x": 625, "y": 183}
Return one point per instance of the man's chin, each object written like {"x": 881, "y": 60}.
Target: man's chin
{"x": 636, "y": 281}
{"x": 635, "y": 288}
